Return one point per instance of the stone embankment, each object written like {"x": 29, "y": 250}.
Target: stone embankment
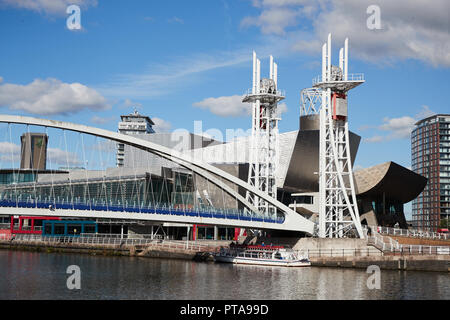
{"x": 156, "y": 249}
{"x": 439, "y": 263}
{"x": 344, "y": 253}
{"x": 356, "y": 253}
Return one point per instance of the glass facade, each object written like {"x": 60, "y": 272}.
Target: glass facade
{"x": 388, "y": 212}
{"x": 16, "y": 177}
{"x": 139, "y": 191}
{"x": 430, "y": 157}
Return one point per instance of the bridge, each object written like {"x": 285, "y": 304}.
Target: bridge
{"x": 99, "y": 196}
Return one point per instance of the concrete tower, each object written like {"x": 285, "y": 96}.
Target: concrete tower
{"x": 33, "y": 151}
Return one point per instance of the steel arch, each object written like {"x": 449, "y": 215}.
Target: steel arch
{"x": 293, "y": 221}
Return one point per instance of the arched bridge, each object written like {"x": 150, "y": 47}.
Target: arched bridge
{"x": 286, "y": 220}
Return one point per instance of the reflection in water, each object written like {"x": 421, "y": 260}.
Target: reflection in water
{"x": 26, "y": 275}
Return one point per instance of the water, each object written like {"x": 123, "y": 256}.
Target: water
{"x": 28, "y": 275}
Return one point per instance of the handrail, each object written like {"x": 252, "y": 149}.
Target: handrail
{"x": 411, "y": 233}
{"x": 249, "y": 92}
{"x": 185, "y": 245}
{"x": 338, "y": 252}
{"x": 350, "y": 77}
{"x": 155, "y": 209}
{"x": 378, "y": 242}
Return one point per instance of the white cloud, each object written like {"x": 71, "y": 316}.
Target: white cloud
{"x": 50, "y": 7}
{"x": 8, "y": 147}
{"x": 366, "y": 127}
{"x": 102, "y": 120}
{"x": 10, "y": 152}
{"x": 62, "y": 157}
{"x": 401, "y": 127}
{"x": 410, "y": 29}
{"x": 182, "y": 71}
{"x": 231, "y": 106}
{"x": 128, "y": 103}
{"x": 105, "y": 146}
{"x": 161, "y": 79}
{"x": 425, "y": 113}
{"x": 161, "y": 125}
{"x": 273, "y": 21}
{"x": 282, "y": 108}
{"x": 51, "y": 96}
{"x": 375, "y": 139}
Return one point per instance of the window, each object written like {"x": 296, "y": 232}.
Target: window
{"x": 304, "y": 199}
{"x": 59, "y": 229}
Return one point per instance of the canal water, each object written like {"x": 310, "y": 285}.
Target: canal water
{"x": 29, "y": 275}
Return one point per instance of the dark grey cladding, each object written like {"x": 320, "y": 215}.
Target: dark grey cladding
{"x": 311, "y": 122}
{"x": 302, "y": 173}
{"x": 391, "y": 180}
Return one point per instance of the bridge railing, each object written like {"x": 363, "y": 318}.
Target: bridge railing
{"x": 410, "y": 233}
{"x": 344, "y": 252}
{"x": 403, "y": 249}
{"x": 116, "y": 242}
{"x": 124, "y": 236}
{"x": 208, "y": 212}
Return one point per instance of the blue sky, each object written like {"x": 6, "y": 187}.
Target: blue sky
{"x": 168, "y": 57}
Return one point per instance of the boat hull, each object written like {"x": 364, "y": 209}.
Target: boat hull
{"x": 262, "y": 262}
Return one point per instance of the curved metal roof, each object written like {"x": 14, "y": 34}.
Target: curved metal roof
{"x": 390, "y": 178}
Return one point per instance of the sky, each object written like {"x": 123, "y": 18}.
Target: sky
{"x": 185, "y": 61}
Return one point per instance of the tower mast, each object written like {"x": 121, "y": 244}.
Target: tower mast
{"x": 264, "y": 154}
{"x": 338, "y": 209}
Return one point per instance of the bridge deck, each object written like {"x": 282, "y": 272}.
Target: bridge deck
{"x": 82, "y": 207}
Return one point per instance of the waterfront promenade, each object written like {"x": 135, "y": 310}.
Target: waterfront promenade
{"x": 343, "y": 253}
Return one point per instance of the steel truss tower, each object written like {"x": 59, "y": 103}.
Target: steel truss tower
{"x": 338, "y": 209}
{"x": 264, "y": 152}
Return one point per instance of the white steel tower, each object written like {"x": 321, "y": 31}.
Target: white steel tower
{"x": 264, "y": 154}
{"x": 338, "y": 209}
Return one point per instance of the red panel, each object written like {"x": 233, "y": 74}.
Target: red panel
{"x": 236, "y": 233}
{"x": 32, "y": 218}
{"x": 335, "y": 95}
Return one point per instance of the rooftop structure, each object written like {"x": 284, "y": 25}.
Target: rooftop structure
{"x": 132, "y": 124}
{"x": 135, "y": 123}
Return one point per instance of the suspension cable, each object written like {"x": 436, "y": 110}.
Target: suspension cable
{"x": 12, "y": 163}
{"x": 86, "y": 173}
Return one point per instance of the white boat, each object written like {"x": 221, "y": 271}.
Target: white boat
{"x": 264, "y": 256}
